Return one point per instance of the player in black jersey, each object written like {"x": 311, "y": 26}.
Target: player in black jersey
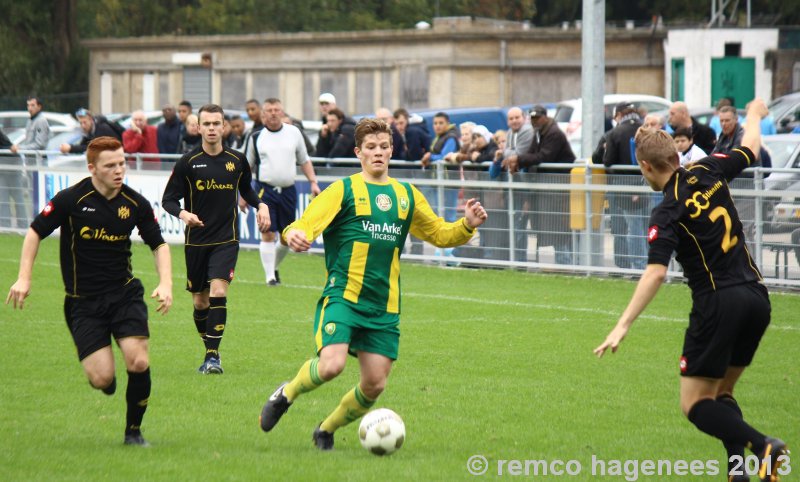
{"x": 96, "y": 217}
{"x": 209, "y": 179}
{"x": 731, "y": 308}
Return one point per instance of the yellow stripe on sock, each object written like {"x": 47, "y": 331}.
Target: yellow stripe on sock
{"x": 349, "y": 410}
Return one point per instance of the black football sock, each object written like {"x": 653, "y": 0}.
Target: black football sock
{"x": 137, "y": 396}
{"x": 723, "y": 422}
{"x": 200, "y": 321}
{"x": 109, "y": 390}
{"x": 217, "y": 316}
{"x": 733, "y": 449}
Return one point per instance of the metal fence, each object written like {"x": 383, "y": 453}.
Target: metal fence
{"x": 564, "y": 218}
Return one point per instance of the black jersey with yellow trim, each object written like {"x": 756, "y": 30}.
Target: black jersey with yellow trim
{"x": 698, "y": 220}
{"x": 209, "y": 186}
{"x": 95, "y": 235}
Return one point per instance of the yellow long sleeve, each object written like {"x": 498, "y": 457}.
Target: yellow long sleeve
{"x": 320, "y": 212}
{"x": 428, "y": 226}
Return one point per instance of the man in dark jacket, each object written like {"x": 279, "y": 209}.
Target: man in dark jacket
{"x": 551, "y": 208}
{"x": 92, "y": 127}
{"x": 630, "y": 241}
{"x": 169, "y": 131}
{"x": 337, "y": 137}
{"x": 410, "y": 141}
{"x": 703, "y": 136}
{"x": 732, "y": 132}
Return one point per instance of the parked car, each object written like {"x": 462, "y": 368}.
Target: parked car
{"x": 786, "y": 112}
{"x": 568, "y": 113}
{"x": 781, "y": 213}
{"x": 17, "y": 119}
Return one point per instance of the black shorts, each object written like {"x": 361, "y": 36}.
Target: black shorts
{"x": 93, "y": 320}
{"x": 204, "y": 263}
{"x": 282, "y": 203}
{"x": 725, "y": 328}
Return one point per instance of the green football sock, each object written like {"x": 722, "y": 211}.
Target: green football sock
{"x": 307, "y": 379}
{"x": 353, "y": 405}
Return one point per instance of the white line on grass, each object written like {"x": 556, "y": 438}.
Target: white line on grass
{"x": 517, "y": 304}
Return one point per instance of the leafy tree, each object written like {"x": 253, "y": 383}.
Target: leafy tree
{"x": 40, "y": 40}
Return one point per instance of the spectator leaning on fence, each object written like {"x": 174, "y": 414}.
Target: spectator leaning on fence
{"x": 445, "y": 142}
{"x": 687, "y": 150}
{"x": 551, "y": 208}
{"x": 169, "y": 131}
{"x": 410, "y": 141}
{"x": 483, "y": 146}
{"x": 37, "y": 130}
{"x": 92, "y": 128}
{"x": 732, "y": 132}
{"x": 141, "y": 137}
{"x": 518, "y": 140}
{"x": 465, "y": 144}
{"x": 703, "y": 136}
{"x": 337, "y": 137}
{"x": 628, "y": 211}
{"x": 192, "y": 138}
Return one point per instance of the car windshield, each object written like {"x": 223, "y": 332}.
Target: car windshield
{"x": 563, "y": 113}
{"x": 781, "y": 150}
{"x": 779, "y": 107}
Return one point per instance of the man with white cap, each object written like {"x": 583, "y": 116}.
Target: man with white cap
{"x": 327, "y": 102}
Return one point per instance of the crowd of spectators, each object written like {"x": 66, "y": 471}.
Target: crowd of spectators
{"x": 530, "y": 140}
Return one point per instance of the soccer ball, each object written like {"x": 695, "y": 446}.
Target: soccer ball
{"x": 382, "y": 431}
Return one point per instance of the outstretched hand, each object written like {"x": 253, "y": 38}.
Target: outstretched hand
{"x": 163, "y": 295}
{"x": 18, "y": 292}
{"x": 612, "y": 341}
{"x": 474, "y": 213}
{"x": 296, "y": 239}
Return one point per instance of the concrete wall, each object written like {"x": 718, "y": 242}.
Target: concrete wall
{"x": 458, "y": 63}
{"x": 699, "y": 46}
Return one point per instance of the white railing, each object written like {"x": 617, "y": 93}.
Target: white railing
{"x": 537, "y": 220}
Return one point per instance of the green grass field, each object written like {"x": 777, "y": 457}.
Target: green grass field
{"x": 495, "y": 363}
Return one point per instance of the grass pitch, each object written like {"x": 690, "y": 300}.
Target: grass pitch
{"x": 492, "y": 363}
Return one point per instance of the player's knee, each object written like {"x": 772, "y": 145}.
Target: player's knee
{"x": 218, "y": 291}
{"x": 269, "y": 236}
{"x": 100, "y": 380}
{"x": 138, "y": 364}
{"x": 329, "y": 369}
{"x": 686, "y": 407}
{"x": 373, "y": 388}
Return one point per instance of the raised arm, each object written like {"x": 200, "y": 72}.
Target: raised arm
{"x": 756, "y": 110}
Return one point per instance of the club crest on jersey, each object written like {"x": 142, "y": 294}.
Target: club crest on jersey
{"x": 404, "y": 204}
{"x": 383, "y": 202}
{"x": 124, "y": 212}
{"x": 330, "y": 328}
{"x": 48, "y": 209}
{"x": 652, "y": 234}
{"x": 229, "y": 166}
{"x": 691, "y": 180}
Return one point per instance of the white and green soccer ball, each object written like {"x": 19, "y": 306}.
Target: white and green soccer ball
{"x": 382, "y": 431}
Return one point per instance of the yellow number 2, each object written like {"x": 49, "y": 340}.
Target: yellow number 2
{"x": 727, "y": 241}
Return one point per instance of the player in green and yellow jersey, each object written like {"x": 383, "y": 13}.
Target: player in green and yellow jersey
{"x": 364, "y": 220}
